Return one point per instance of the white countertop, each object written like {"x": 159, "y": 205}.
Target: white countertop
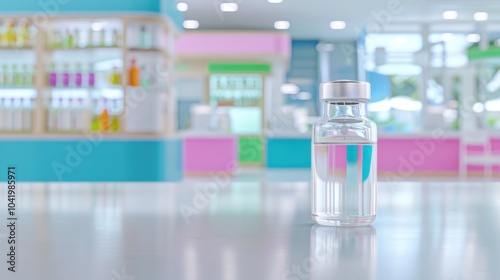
{"x": 254, "y": 228}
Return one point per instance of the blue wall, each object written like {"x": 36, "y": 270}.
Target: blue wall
{"x": 93, "y": 160}
{"x": 288, "y": 153}
{"x": 50, "y": 8}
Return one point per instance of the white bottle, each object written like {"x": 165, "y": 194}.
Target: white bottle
{"x": 8, "y": 114}
{"x": 2, "y": 116}
{"x": 53, "y": 114}
{"x": 26, "y": 114}
{"x": 17, "y": 115}
{"x": 65, "y": 115}
{"x": 78, "y": 114}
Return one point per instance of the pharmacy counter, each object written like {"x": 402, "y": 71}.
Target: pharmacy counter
{"x": 208, "y": 152}
{"x": 251, "y": 229}
{"x": 93, "y": 157}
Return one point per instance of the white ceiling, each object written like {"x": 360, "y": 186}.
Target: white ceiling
{"x": 311, "y": 18}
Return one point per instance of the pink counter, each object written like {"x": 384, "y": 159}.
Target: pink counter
{"x": 424, "y": 155}
{"x": 398, "y": 156}
{"x": 204, "y": 155}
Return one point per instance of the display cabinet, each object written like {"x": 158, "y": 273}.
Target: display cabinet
{"x": 87, "y": 74}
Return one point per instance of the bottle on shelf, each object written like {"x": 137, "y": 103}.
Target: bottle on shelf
{"x": 65, "y": 114}
{"x": 90, "y": 38}
{"x": 115, "y": 41}
{"x": 8, "y": 114}
{"x": 80, "y": 115}
{"x": 17, "y": 114}
{"x": 104, "y": 121}
{"x": 78, "y": 77}
{"x": 115, "y": 116}
{"x": 144, "y": 78}
{"x": 11, "y": 34}
{"x": 65, "y": 75}
{"x": 8, "y": 76}
{"x": 52, "y": 75}
{"x": 91, "y": 76}
{"x": 24, "y": 35}
{"x": 134, "y": 77}
{"x": 77, "y": 39}
{"x": 56, "y": 40}
{"x": 2, "y": 41}
{"x": 145, "y": 38}
{"x": 102, "y": 38}
{"x": 114, "y": 76}
{"x": 3, "y": 73}
{"x": 27, "y": 76}
{"x": 18, "y": 76}
{"x": 69, "y": 40}
{"x": 27, "y": 109}
{"x": 51, "y": 116}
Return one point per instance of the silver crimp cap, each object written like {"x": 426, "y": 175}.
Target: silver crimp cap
{"x": 345, "y": 90}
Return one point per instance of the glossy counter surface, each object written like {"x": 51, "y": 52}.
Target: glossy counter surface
{"x": 253, "y": 226}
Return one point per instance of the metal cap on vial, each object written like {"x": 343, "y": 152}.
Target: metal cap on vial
{"x": 345, "y": 90}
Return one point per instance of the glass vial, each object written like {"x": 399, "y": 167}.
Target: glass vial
{"x": 344, "y": 157}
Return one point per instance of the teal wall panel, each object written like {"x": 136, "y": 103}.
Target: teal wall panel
{"x": 96, "y": 161}
{"x": 288, "y": 153}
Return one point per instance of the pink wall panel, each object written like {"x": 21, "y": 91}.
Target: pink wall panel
{"x": 409, "y": 156}
{"x": 424, "y": 155}
{"x": 204, "y": 155}
{"x": 233, "y": 44}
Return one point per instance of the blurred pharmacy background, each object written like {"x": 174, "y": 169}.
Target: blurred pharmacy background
{"x": 160, "y": 90}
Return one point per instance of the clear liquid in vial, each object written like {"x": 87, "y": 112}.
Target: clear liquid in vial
{"x": 344, "y": 184}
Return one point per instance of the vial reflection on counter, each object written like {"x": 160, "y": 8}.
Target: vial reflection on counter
{"x": 343, "y": 253}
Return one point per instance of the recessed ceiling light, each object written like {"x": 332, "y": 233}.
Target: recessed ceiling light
{"x": 450, "y": 14}
{"x": 473, "y": 38}
{"x": 182, "y": 7}
{"x": 480, "y": 16}
{"x": 401, "y": 40}
{"x": 275, "y": 1}
{"x": 282, "y": 24}
{"x": 338, "y": 24}
{"x": 325, "y": 47}
{"x": 97, "y": 26}
{"x": 191, "y": 24}
{"x": 289, "y": 89}
{"x": 445, "y": 37}
{"x": 228, "y": 7}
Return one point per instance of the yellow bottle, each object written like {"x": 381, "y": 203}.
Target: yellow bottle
{"x": 104, "y": 121}
{"x": 95, "y": 123}
{"x": 134, "y": 77}
{"x": 115, "y": 123}
{"x": 25, "y": 36}
{"x": 10, "y": 34}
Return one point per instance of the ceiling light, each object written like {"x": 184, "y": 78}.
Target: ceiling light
{"x": 289, "y": 89}
{"x": 473, "y": 38}
{"x": 446, "y": 37}
{"x": 481, "y": 16}
{"x": 97, "y": 26}
{"x": 182, "y": 7}
{"x": 325, "y": 47}
{"x": 191, "y": 24}
{"x": 282, "y": 24}
{"x": 478, "y": 107}
{"x": 275, "y": 1}
{"x": 337, "y": 24}
{"x": 228, "y": 7}
{"x": 450, "y": 14}
{"x": 400, "y": 40}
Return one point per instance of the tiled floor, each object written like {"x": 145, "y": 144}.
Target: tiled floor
{"x": 254, "y": 226}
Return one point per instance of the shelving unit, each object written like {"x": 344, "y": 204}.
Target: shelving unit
{"x": 80, "y": 68}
